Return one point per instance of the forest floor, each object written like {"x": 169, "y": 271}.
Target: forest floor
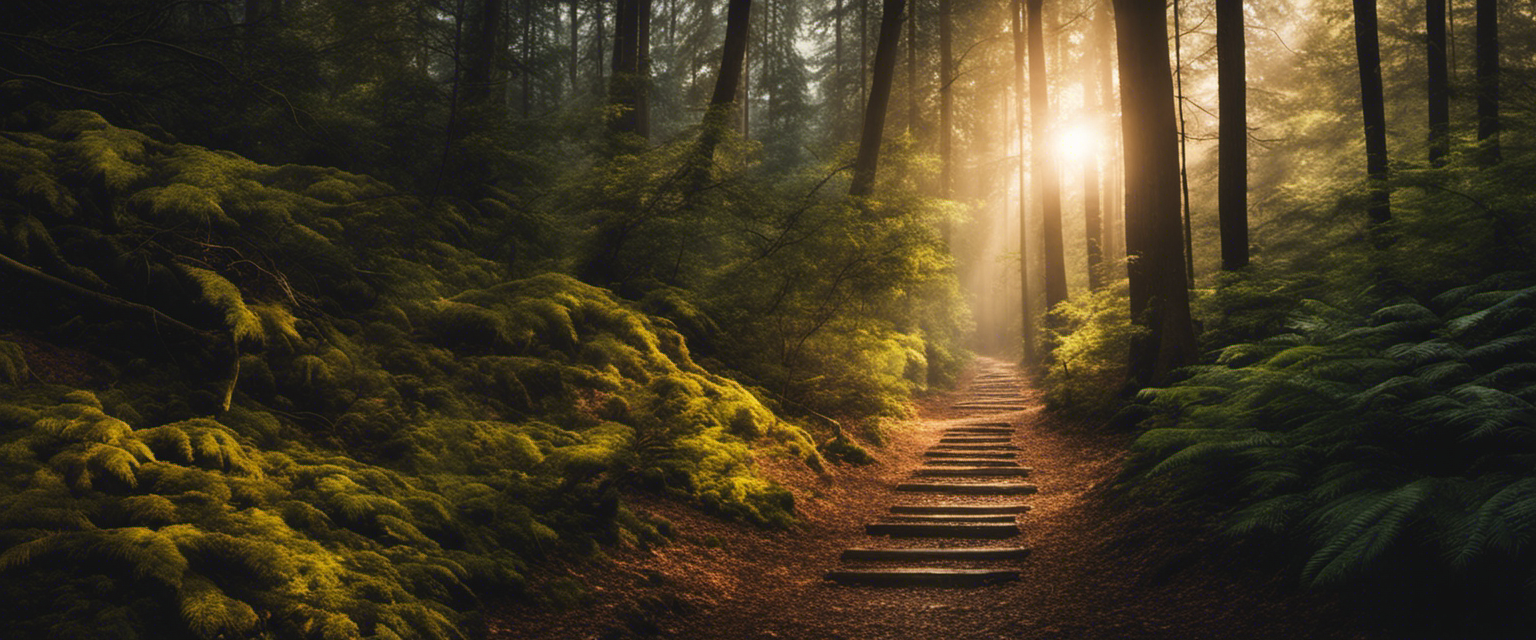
{"x": 1102, "y": 566}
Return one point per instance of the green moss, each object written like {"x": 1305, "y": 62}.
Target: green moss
{"x": 411, "y": 426}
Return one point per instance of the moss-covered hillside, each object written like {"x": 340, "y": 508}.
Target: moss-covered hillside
{"x": 240, "y": 400}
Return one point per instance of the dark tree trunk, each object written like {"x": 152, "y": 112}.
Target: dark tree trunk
{"x": 879, "y": 97}
{"x": 717, "y": 119}
{"x": 863, "y": 51}
{"x": 527, "y": 56}
{"x": 601, "y": 22}
{"x": 1488, "y": 80}
{"x": 627, "y": 85}
{"x": 1439, "y": 83}
{"x": 482, "y": 82}
{"x": 1373, "y": 106}
{"x": 1114, "y": 231}
{"x": 643, "y": 70}
{"x": 1092, "y": 216}
{"x": 575, "y": 45}
{"x": 912, "y": 71}
{"x": 946, "y": 101}
{"x": 1232, "y": 140}
{"x": 1020, "y": 91}
{"x": 1178, "y": 78}
{"x": 1159, "y": 299}
{"x": 1043, "y": 164}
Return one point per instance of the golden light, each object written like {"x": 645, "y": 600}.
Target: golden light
{"x": 1077, "y": 141}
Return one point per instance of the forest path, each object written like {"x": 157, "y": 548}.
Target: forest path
{"x": 1097, "y": 568}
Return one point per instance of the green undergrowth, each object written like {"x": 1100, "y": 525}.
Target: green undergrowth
{"x": 1389, "y": 452}
{"x": 338, "y": 420}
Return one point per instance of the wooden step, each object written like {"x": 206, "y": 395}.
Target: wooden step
{"x": 972, "y": 472}
{"x": 973, "y": 447}
{"x": 970, "y": 462}
{"x": 942, "y": 518}
{"x": 979, "y": 431}
{"x": 935, "y": 577}
{"x": 981, "y": 553}
{"x": 1009, "y": 425}
{"x": 970, "y": 454}
{"x": 974, "y": 489}
{"x": 943, "y": 529}
{"x": 991, "y": 407}
{"x": 960, "y": 509}
{"x": 975, "y": 439}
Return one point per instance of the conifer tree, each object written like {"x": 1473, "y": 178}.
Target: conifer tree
{"x": 1159, "y": 298}
{"x": 881, "y": 77}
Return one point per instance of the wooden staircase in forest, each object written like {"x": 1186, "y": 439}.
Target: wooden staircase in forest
{"x": 956, "y": 532}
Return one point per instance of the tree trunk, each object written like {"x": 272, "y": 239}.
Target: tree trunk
{"x": 482, "y": 82}
{"x": 1232, "y": 138}
{"x": 1178, "y": 77}
{"x": 601, "y": 22}
{"x": 1439, "y": 83}
{"x": 946, "y": 101}
{"x": 643, "y": 70}
{"x": 717, "y": 118}
{"x": 1488, "y": 81}
{"x": 879, "y": 96}
{"x": 1373, "y": 106}
{"x": 912, "y": 72}
{"x": 575, "y": 60}
{"x": 527, "y": 56}
{"x": 1159, "y": 299}
{"x": 863, "y": 51}
{"x": 627, "y": 86}
{"x": 1114, "y": 230}
{"x": 1092, "y": 225}
{"x": 1020, "y": 91}
{"x": 1047, "y": 181}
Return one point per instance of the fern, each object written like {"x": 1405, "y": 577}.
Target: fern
{"x": 1501, "y": 528}
{"x": 1364, "y": 528}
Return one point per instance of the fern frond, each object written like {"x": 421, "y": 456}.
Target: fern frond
{"x": 212, "y": 614}
{"x": 1429, "y": 351}
{"x": 1270, "y": 516}
{"x": 1502, "y": 527}
{"x": 1371, "y": 525}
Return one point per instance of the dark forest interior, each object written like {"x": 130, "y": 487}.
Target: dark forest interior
{"x": 536, "y": 318}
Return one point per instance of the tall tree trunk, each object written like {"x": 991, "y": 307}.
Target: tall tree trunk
{"x": 1232, "y": 140}
{"x": 601, "y": 22}
{"x": 1178, "y": 77}
{"x": 482, "y": 80}
{"x": 1114, "y": 230}
{"x": 1020, "y": 91}
{"x": 879, "y": 97}
{"x": 1439, "y": 83}
{"x": 1047, "y": 181}
{"x": 575, "y": 60}
{"x": 912, "y": 71}
{"x": 1159, "y": 299}
{"x": 863, "y": 51}
{"x": 527, "y": 56}
{"x": 626, "y": 70}
{"x": 1488, "y": 81}
{"x": 717, "y": 118}
{"x": 642, "y": 70}
{"x": 946, "y": 101}
{"x": 1092, "y": 217}
{"x": 1373, "y": 106}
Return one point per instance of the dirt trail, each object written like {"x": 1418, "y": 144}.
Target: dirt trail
{"x": 1097, "y": 569}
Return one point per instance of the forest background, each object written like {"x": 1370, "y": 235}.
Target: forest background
{"x": 327, "y": 318}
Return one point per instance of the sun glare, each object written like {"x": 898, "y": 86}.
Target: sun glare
{"x": 1077, "y": 141}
